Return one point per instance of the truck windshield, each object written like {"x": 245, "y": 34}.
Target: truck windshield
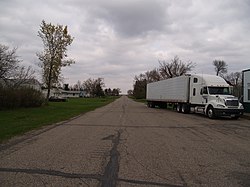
{"x": 219, "y": 90}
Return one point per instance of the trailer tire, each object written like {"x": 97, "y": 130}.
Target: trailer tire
{"x": 151, "y": 104}
{"x": 210, "y": 112}
{"x": 179, "y": 108}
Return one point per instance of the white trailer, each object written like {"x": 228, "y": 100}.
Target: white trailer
{"x": 208, "y": 94}
{"x": 246, "y": 89}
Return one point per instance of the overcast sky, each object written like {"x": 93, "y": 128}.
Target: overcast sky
{"x": 118, "y": 39}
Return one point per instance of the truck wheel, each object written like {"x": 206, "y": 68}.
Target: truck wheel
{"x": 151, "y": 104}
{"x": 210, "y": 112}
{"x": 185, "y": 109}
{"x": 179, "y": 108}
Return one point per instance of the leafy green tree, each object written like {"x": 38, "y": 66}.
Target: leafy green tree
{"x": 55, "y": 41}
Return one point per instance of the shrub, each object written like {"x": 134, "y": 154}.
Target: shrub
{"x": 20, "y": 97}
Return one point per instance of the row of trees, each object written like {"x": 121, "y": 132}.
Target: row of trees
{"x": 93, "y": 88}
{"x": 13, "y": 75}
{"x": 166, "y": 70}
{"x": 53, "y": 57}
{"x": 176, "y": 68}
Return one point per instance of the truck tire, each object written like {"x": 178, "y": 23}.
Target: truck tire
{"x": 151, "y": 104}
{"x": 179, "y": 108}
{"x": 210, "y": 112}
{"x": 185, "y": 108}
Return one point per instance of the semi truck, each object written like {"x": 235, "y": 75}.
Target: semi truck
{"x": 200, "y": 93}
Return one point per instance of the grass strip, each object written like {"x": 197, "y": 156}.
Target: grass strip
{"x": 18, "y": 121}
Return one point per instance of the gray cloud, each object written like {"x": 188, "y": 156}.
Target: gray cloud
{"x": 132, "y": 18}
{"x": 117, "y": 39}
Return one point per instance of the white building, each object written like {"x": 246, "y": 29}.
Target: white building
{"x": 64, "y": 93}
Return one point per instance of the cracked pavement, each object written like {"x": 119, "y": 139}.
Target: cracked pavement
{"x": 127, "y": 144}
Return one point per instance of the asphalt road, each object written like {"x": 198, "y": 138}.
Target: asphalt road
{"x": 127, "y": 144}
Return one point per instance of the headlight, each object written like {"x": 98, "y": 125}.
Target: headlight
{"x": 220, "y": 106}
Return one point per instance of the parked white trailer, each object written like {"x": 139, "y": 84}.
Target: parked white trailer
{"x": 208, "y": 94}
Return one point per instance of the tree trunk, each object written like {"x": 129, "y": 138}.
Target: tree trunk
{"x": 49, "y": 82}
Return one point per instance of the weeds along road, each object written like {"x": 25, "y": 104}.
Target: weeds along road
{"x": 127, "y": 144}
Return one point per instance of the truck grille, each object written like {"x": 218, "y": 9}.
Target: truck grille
{"x": 232, "y": 102}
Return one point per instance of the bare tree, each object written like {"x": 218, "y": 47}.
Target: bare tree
{"x": 174, "y": 68}
{"x": 152, "y": 76}
{"x": 79, "y": 85}
{"x": 220, "y": 67}
{"x": 94, "y": 87}
{"x": 130, "y": 92}
{"x": 140, "y": 84}
{"x": 234, "y": 78}
{"x": 8, "y": 62}
{"x": 11, "y": 71}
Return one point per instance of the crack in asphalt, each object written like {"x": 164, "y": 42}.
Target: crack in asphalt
{"x": 111, "y": 171}
{"x": 52, "y": 173}
{"x": 108, "y": 179}
{"x": 98, "y": 177}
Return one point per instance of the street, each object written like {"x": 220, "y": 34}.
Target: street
{"x": 127, "y": 144}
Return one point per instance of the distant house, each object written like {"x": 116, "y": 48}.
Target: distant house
{"x": 64, "y": 93}
{"x": 72, "y": 93}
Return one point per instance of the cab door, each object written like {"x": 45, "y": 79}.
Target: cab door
{"x": 204, "y": 93}
{"x": 195, "y": 91}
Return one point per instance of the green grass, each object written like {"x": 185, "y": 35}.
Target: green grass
{"x": 19, "y": 121}
{"x": 138, "y": 100}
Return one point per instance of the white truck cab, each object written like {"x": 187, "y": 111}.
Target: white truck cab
{"x": 215, "y": 95}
